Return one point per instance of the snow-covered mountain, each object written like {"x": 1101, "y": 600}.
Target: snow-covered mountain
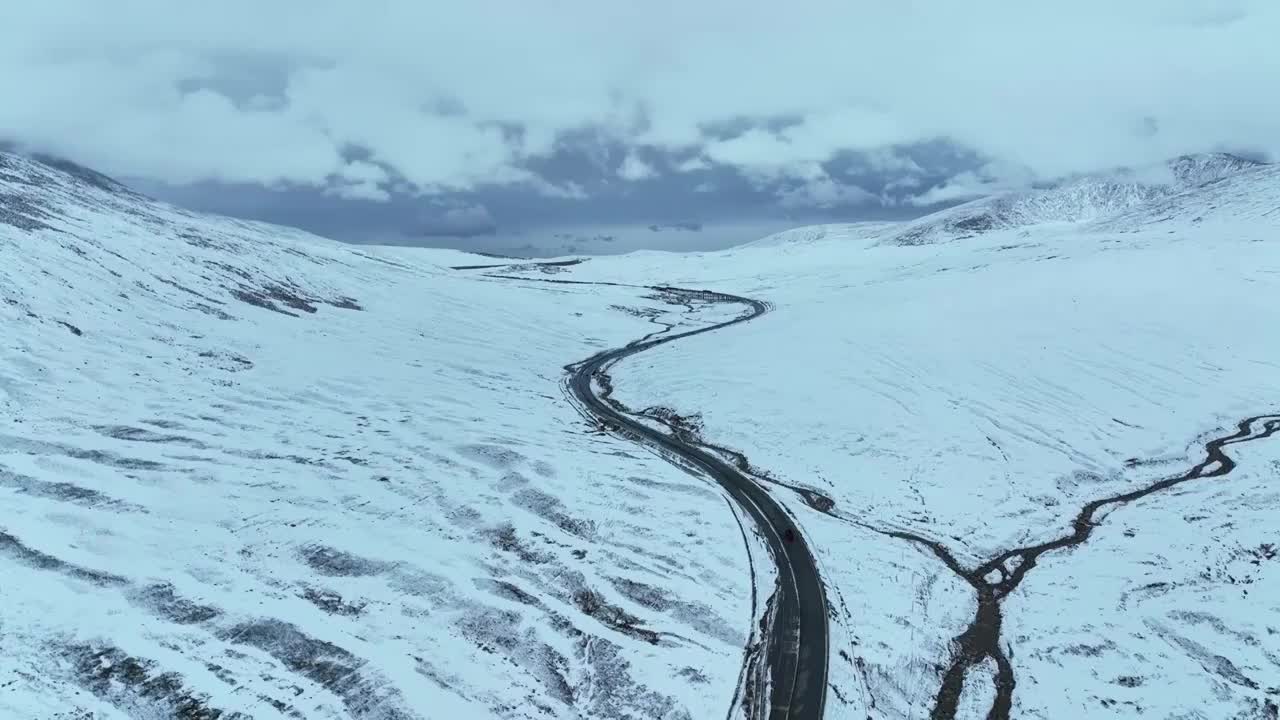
{"x": 1078, "y": 200}
{"x": 979, "y": 393}
{"x": 1244, "y": 201}
{"x": 847, "y": 232}
{"x": 1191, "y": 171}
{"x": 249, "y": 471}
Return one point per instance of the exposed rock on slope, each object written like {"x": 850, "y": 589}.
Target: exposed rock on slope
{"x": 1079, "y": 200}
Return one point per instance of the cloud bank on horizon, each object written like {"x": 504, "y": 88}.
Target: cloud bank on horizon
{"x": 384, "y": 98}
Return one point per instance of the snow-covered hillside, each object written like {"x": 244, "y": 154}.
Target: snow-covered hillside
{"x": 249, "y": 471}
{"x": 786, "y": 240}
{"x": 978, "y": 393}
{"x": 1070, "y": 202}
{"x": 1245, "y": 202}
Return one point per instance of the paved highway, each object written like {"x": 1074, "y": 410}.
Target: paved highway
{"x": 796, "y": 633}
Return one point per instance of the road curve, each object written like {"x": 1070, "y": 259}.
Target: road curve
{"x": 795, "y": 630}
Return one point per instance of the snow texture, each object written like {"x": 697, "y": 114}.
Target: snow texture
{"x": 978, "y": 391}
{"x": 249, "y": 470}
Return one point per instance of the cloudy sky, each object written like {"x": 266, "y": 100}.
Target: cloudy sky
{"x": 475, "y": 122}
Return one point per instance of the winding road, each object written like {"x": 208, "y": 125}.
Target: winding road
{"x": 793, "y": 643}
{"x": 792, "y": 683}
{"x": 794, "y": 687}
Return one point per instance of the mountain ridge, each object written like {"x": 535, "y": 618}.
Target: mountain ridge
{"x": 1079, "y": 200}
{"x": 1084, "y": 200}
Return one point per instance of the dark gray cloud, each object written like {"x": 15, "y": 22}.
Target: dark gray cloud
{"x": 698, "y": 209}
{"x": 455, "y": 220}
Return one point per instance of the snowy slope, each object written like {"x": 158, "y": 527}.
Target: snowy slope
{"x": 978, "y": 393}
{"x": 1078, "y": 200}
{"x": 1191, "y": 171}
{"x": 801, "y": 236}
{"x": 249, "y": 471}
{"x": 1247, "y": 201}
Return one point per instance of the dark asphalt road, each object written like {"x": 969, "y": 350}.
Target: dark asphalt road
{"x": 796, "y": 639}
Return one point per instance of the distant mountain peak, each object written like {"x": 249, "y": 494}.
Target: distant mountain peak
{"x": 1079, "y": 199}
{"x": 11, "y": 157}
{"x": 1202, "y": 168}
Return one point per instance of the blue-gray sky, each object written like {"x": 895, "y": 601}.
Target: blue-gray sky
{"x": 477, "y": 122}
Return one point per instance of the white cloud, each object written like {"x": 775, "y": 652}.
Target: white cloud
{"x": 361, "y": 181}
{"x": 761, "y": 153}
{"x": 799, "y": 150}
{"x": 824, "y": 192}
{"x": 989, "y": 179}
{"x": 635, "y": 169}
{"x": 431, "y": 90}
{"x": 694, "y": 164}
{"x": 964, "y": 186}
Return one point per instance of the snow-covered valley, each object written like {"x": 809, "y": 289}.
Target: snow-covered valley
{"x": 979, "y": 392}
{"x": 252, "y": 471}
